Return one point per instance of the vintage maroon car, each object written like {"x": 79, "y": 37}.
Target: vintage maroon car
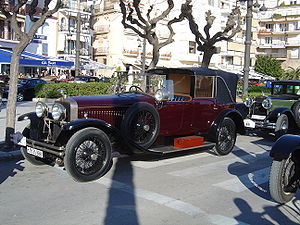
{"x": 183, "y": 109}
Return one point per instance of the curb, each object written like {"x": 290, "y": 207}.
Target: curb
{"x": 12, "y": 155}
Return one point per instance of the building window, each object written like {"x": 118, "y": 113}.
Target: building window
{"x": 296, "y": 25}
{"x": 229, "y": 60}
{"x": 211, "y": 2}
{"x": 293, "y": 2}
{"x": 283, "y": 27}
{"x": 295, "y": 53}
{"x": 192, "y": 47}
{"x": 268, "y": 40}
{"x": 2, "y": 29}
{"x": 269, "y": 26}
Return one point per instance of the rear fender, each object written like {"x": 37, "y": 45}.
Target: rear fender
{"x": 235, "y": 115}
{"x": 285, "y": 146}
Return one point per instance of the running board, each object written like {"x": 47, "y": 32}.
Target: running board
{"x": 171, "y": 149}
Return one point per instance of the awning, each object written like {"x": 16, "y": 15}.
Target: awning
{"x": 31, "y": 59}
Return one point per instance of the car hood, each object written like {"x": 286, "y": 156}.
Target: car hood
{"x": 112, "y": 100}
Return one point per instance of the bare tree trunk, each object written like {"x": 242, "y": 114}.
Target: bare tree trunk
{"x": 155, "y": 57}
{"x": 13, "y": 90}
{"x": 206, "y": 58}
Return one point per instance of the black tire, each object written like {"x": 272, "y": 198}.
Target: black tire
{"x": 141, "y": 124}
{"x": 88, "y": 155}
{"x": 30, "y": 158}
{"x": 20, "y": 97}
{"x": 296, "y": 111}
{"x": 280, "y": 174}
{"x": 225, "y": 137}
{"x": 282, "y": 126}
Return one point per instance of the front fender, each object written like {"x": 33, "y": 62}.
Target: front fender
{"x": 76, "y": 125}
{"x": 28, "y": 116}
{"x": 274, "y": 114}
{"x": 285, "y": 146}
{"x": 235, "y": 115}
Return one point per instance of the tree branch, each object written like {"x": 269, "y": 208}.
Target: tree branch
{"x": 136, "y": 4}
{"x": 209, "y": 22}
{"x": 126, "y": 25}
{"x": 164, "y": 14}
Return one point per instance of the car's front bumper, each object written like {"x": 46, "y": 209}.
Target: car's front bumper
{"x": 256, "y": 124}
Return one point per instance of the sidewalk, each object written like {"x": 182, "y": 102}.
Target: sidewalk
{"x": 13, "y": 153}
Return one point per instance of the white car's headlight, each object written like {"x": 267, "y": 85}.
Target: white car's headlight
{"x": 58, "y": 112}
{"x": 267, "y": 103}
{"x": 248, "y": 102}
{"x": 41, "y": 109}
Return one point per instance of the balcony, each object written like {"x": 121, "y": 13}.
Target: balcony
{"x": 102, "y": 29}
{"x": 131, "y": 52}
{"x": 101, "y": 51}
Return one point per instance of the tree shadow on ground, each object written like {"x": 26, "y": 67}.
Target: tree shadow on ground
{"x": 270, "y": 214}
{"x": 10, "y": 169}
{"x": 121, "y": 206}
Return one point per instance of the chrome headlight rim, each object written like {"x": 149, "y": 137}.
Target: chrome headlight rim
{"x": 41, "y": 109}
{"x": 248, "y": 102}
{"x": 267, "y": 103}
{"x": 159, "y": 95}
{"x": 58, "y": 112}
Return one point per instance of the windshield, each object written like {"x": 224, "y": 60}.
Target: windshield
{"x": 279, "y": 89}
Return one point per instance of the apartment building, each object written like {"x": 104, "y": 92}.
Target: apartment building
{"x": 73, "y": 23}
{"x": 115, "y": 46}
{"x": 279, "y": 33}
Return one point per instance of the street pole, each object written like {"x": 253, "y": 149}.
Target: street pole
{"x": 247, "y": 58}
{"x": 144, "y": 64}
{"x": 77, "y": 59}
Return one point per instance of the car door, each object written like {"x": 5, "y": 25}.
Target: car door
{"x": 29, "y": 90}
{"x": 204, "y": 103}
{"x": 171, "y": 117}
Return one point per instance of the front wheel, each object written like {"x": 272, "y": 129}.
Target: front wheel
{"x": 88, "y": 155}
{"x": 226, "y": 136}
{"x": 29, "y": 133}
{"x": 282, "y": 126}
{"x": 280, "y": 175}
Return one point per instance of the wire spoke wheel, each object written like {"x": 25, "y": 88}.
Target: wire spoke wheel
{"x": 141, "y": 124}
{"x": 226, "y": 137}
{"x": 90, "y": 156}
{"x": 142, "y": 127}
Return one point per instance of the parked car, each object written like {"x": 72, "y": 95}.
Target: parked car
{"x": 279, "y": 112}
{"x": 183, "y": 109}
{"x": 284, "y": 179}
{"x": 85, "y": 79}
{"x": 26, "y": 88}
{"x": 4, "y": 79}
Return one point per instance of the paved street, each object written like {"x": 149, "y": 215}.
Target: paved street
{"x": 190, "y": 188}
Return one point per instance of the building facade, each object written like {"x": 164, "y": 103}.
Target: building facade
{"x": 279, "y": 33}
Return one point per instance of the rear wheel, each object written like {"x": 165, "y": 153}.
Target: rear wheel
{"x": 296, "y": 111}
{"x": 141, "y": 124}
{"x": 280, "y": 175}
{"x": 226, "y": 136}
{"x": 88, "y": 155}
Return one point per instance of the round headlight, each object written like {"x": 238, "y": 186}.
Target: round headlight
{"x": 267, "y": 103}
{"x": 41, "y": 109}
{"x": 159, "y": 95}
{"x": 248, "y": 102}
{"x": 58, "y": 112}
